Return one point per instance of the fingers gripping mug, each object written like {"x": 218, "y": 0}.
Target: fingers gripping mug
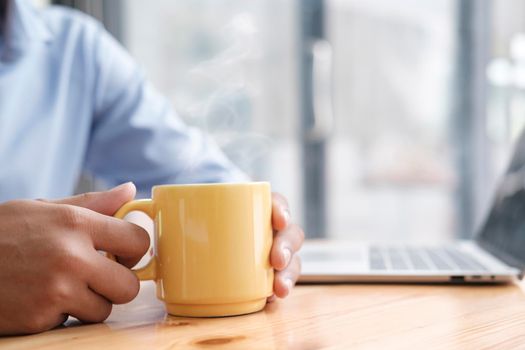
{"x": 212, "y": 247}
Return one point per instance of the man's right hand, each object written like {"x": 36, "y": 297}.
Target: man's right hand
{"x": 49, "y": 264}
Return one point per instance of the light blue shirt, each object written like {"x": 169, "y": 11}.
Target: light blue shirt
{"x": 73, "y": 100}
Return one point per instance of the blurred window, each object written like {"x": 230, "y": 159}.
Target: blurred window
{"x": 378, "y": 119}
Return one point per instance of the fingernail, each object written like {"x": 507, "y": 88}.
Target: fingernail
{"x": 287, "y": 216}
{"x": 287, "y": 254}
{"x": 121, "y": 185}
{"x": 289, "y": 284}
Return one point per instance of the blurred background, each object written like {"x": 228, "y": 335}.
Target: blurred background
{"x": 378, "y": 119}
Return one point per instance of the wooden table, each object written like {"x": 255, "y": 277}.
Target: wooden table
{"x": 313, "y": 317}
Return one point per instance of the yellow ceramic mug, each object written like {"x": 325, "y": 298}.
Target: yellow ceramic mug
{"x": 212, "y": 247}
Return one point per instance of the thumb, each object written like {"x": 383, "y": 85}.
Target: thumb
{"x": 106, "y": 202}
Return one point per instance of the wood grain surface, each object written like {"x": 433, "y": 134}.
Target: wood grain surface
{"x": 314, "y": 317}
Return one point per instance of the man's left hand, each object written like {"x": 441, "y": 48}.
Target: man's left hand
{"x": 287, "y": 240}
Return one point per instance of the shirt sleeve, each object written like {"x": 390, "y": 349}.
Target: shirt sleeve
{"x": 136, "y": 135}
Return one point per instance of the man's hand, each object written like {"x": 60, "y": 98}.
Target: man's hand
{"x": 287, "y": 240}
{"x": 50, "y": 267}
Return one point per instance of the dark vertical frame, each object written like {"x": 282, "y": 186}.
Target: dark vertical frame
{"x": 469, "y": 114}
{"x": 312, "y": 28}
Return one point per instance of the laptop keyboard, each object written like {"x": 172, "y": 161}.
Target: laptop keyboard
{"x": 415, "y": 258}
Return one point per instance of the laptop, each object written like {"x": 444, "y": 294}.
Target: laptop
{"x": 496, "y": 254}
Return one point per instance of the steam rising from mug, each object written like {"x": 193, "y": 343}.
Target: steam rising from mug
{"x": 230, "y": 83}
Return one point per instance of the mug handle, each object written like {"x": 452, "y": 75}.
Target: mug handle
{"x": 148, "y": 272}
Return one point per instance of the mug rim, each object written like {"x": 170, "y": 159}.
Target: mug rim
{"x": 214, "y": 184}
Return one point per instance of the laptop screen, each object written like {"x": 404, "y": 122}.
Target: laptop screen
{"x": 503, "y": 232}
